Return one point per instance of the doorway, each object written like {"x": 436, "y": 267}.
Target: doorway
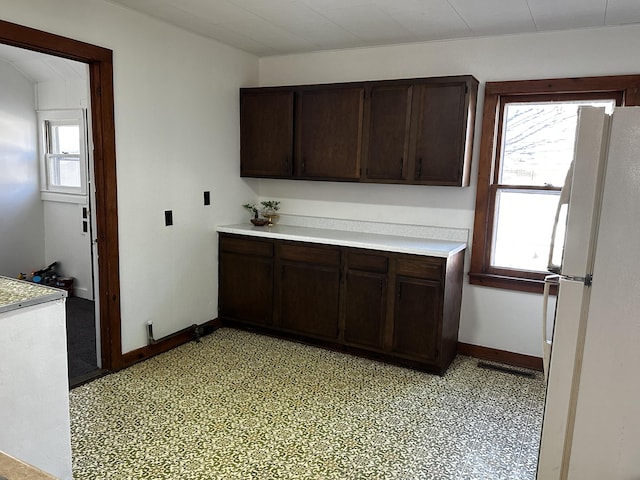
{"x": 102, "y": 130}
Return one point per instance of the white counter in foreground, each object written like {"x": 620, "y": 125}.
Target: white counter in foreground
{"x": 370, "y": 241}
{"x": 34, "y": 387}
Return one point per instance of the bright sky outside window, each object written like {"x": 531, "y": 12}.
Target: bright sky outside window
{"x": 63, "y": 152}
{"x": 536, "y": 151}
{"x": 63, "y": 159}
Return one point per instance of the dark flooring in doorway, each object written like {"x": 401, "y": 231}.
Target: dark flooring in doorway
{"x": 81, "y": 340}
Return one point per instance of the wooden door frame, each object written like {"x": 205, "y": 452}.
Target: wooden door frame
{"x": 100, "y": 61}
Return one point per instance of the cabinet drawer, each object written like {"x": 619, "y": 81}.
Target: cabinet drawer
{"x": 246, "y": 246}
{"x": 309, "y": 254}
{"x": 367, "y": 262}
{"x": 428, "y": 267}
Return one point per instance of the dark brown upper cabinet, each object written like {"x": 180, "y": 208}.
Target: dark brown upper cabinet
{"x": 420, "y": 131}
{"x": 442, "y": 131}
{"x": 387, "y": 120}
{"x": 329, "y": 132}
{"x": 411, "y": 131}
{"x": 266, "y": 132}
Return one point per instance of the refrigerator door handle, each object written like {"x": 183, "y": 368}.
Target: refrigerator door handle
{"x": 587, "y": 279}
{"x": 549, "y": 280}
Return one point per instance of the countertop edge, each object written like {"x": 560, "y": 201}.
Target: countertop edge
{"x": 332, "y": 237}
{"x": 48, "y": 294}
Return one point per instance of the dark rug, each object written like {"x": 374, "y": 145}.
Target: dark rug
{"x": 81, "y": 337}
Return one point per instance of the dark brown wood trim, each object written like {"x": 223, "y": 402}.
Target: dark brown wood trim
{"x": 624, "y": 88}
{"x": 102, "y": 121}
{"x": 171, "y": 342}
{"x": 51, "y": 44}
{"x": 500, "y": 356}
{"x": 508, "y": 283}
{"x": 611, "y": 83}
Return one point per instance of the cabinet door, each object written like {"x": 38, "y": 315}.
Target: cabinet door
{"x": 308, "y": 289}
{"x": 417, "y": 316}
{"x": 365, "y": 298}
{"x": 245, "y": 290}
{"x": 388, "y": 112}
{"x": 266, "y": 133}
{"x": 309, "y": 299}
{"x": 439, "y": 130}
{"x": 329, "y": 133}
{"x": 365, "y": 309}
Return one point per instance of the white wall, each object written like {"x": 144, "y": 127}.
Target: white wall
{"x": 21, "y": 215}
{"x": 177, "y": 135}
{"x": 490, "y": 317}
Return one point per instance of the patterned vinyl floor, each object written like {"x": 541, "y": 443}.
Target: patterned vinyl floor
{"x": 245, "y": 406}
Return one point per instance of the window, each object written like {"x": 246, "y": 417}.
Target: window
{"x": 527, "y": 141}
{"x": 63, "y": 154}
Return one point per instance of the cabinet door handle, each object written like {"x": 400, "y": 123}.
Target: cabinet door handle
{"x": 419, "y": 167}
{"x": 401, "y": 165}
{"x": 304, "y": 165}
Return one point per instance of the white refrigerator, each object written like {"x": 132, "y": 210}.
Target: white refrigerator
{"x": 591, "y": 425}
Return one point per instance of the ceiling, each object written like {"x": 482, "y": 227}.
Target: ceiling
{"x": 39, "y": 67}
{"x": 274, "y": 27}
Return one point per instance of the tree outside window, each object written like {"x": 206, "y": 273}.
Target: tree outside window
{"x": 526, "y": 148}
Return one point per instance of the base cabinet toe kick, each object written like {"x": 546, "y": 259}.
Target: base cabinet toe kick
{"x": 395, "y": 307}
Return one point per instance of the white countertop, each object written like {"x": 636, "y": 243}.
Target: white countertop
{"x": 15, "y": 294}
{"x": 371, "y": 241}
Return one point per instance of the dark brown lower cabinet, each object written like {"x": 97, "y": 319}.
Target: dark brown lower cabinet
{"x": 365, "y": 299}
{"x": 309, "y": 290}
{"x": 416, "y": 319}
{"x": 246, "y": 280}
{"x": 396, "y": 307}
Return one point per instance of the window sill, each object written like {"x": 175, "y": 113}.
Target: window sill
{"x": 518, "y": 284}
{"x": 63, "y": 197}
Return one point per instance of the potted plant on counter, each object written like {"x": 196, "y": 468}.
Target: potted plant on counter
{"x": 270, "y": 207}
{"x": 256, "y": 220}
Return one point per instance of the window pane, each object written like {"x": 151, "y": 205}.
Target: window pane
{"x": 537, "y": 141}
{"x": 522, "y": 229}
{"x": 64, "y": 171}
{"x": 65, "y": 138}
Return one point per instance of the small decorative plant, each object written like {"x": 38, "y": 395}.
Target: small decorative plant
{"x": 269, "y": 209}
{"x": 270, "y": 206}
{"x": 253, "y": 208}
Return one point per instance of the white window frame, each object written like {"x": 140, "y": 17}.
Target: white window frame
{"x": 56, "y": 192}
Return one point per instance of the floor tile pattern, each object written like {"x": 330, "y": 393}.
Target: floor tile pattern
{"x": 239, "y": 405}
